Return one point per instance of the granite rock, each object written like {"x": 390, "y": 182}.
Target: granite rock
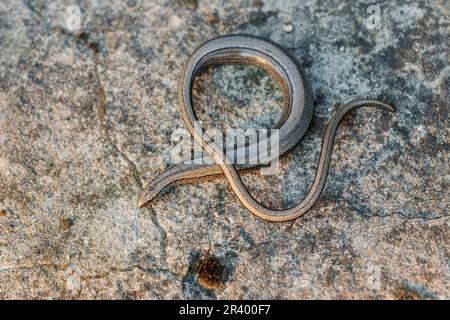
{"x": 86, "y": 119}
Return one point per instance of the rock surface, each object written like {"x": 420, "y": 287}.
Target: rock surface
{"x": 86, "y": 119}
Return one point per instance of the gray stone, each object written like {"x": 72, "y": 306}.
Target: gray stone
{"x": 86, "y": 118}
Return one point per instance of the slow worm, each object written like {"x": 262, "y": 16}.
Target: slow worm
{"x": 292, "y": 126}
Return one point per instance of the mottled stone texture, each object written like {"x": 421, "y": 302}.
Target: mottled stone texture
{"x": 86, "y": 119}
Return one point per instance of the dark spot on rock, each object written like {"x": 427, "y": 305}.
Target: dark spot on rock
{"x": 258, "y": 4}
{"x": 421, "y": 261}
{"x": 3, "y": 212}
{"x": 149, "y": 147}
{"x": 244, "y": 235}
{"x": 409, "y": 291}
{"x": 81, "y": 38}
{"x": 365, "y": 46}
{"x": 319, "y": 96}
{"x": 212, "y": 18}
{"x": 84, "y": 37}
{"x": 403, "y": 293}
{"x": 339, "y": 43}
{"x": 190, "y": 286}
{"x": 206, "y": 273}
{"x": 131, "y": 4}
{"x": 66, "y": 223}
{"x": 12, "y": 224}
{"x": 259, "y": 18}
{"x": 211, "y": 272}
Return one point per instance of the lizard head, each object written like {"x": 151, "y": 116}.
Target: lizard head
{"x": 147, "y": 195}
